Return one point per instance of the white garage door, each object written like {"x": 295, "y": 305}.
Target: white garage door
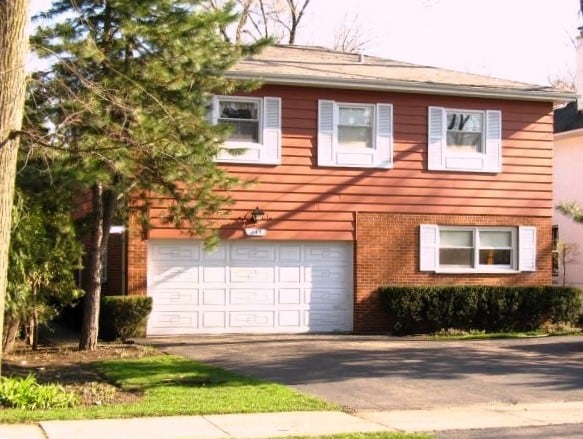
{"x": 249, "y": 287}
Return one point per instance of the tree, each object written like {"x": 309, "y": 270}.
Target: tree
{"x": 44, "y": 253}
{"x": 125, "y": 108}
{"x": 275, "y": 19}
{"x": 13, "y": 49}
{"x": 348, "y": 37}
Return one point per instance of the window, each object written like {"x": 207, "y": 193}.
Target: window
{"x": 477, "y": 249}
{"x": 355, "y": 135}
{"x": 255, "y": 129}
{"x": 242, "y": 117}
{"x": 464, "y": 132}
{"x": 464, "y": 140}
{"x": 555, "y": 240}
{"x": 355, "y": 126}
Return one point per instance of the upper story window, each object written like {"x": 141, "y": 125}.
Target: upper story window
{"x": 457, "y": 249}
{"x": 255, "y": 129}
{"x": 464, "y": 140}
{"x": 465, "y": 132}
{"x": 355, "y": 135}
{"x": 355, "y": 126}
{"x": 242, "y": 117}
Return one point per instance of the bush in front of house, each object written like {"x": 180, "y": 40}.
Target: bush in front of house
{"x": 123, "y": 317}
{"x": 428, "y": 309}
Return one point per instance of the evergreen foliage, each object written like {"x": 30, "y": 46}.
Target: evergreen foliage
{"x": 124, "y": 105}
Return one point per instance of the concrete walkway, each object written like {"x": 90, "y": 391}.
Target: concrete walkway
{"x": 271, "y": 425}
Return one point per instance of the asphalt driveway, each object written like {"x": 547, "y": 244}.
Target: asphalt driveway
{"x": 364, "y": 373}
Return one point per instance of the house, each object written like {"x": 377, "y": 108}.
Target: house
{"x": 568, "y": 163}
{"x": 368, "y": 172}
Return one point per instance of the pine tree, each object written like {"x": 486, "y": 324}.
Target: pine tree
{"x": 125, "y": 104}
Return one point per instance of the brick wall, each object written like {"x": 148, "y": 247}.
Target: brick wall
{"x": 137, "y": 258}
{"x": 387, "y": 253}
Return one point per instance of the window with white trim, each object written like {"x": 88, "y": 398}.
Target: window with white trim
{"x": 464, "y": 140}
{"x": 456, "y": 249}
{"x": 255, "y": 125}
{"x": 355, "y": 135}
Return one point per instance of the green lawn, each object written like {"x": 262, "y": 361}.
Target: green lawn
{"x": 176, "y": 386}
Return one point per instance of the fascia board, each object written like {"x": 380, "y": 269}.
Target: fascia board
{"x": 410, "y": 87}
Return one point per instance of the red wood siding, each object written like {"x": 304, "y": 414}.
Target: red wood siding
{"x": 304, "y": 201}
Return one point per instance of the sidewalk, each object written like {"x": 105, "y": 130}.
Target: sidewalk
{"x": 271, "y": 425}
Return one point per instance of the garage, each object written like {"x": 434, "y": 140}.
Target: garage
{"x": 250, "y": 287}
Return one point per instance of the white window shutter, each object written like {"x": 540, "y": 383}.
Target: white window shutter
{"x": 213, "y": 115}
{"x": 270, "y": 151}
{"x": 437, "y": 139}
{"x": 527, "y": 248}
{"x": 493, "y": 159}
{"x": 428, "y": 247}
{"x": 326, "y": 135}
{"x": 384, "y": 136}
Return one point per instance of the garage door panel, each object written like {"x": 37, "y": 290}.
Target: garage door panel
{"x": 289, "y": 319}
{"x": 290, "y": 254}
{"x": 249, "y": 320}
{"x": 327, "y": 321}
{"x": 326, "y": 275}
{"x": 332, "y": 298}
{"x": 250, "y": 286}
{"x": 218, "y": 274}
{"x": 177, "y": 297}
{"x": 290, "y": 274}
{"x": 217, "y": 254}
{"x": 173, "y": 275}
{"x": 290, "y": 296}
{"x": 214, "y": 296}
{"x": 174, "y": 319}
{"x": 169, "y": 251}
{"x": 325, "y": 253}
{"x": 252, "y": 297}
{"x": 252, "y": 275}
{"x": 214, "y": 319}
{"x": 258, "y": 252}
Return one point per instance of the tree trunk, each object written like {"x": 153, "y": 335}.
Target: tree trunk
{"x": 13, "y": 48}
{"x": 12, "y": 327}
{"x": 103, "y": 208}
{"x": 90, "y": 326}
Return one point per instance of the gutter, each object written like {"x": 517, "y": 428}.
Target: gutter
{"x": 411, "y": 87}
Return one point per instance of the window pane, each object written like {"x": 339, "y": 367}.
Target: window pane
{"x": 464, "y": 142}
{"x": 244, "y": 131}
{"x": 495, "y": 257}
{"x": 238, "y": 110}
{"x": 495, "y": 239}
{"x": 467, "y": 122}
{"x": 355, "y": 137}
{"x": 456, "y": 257}
{"x": 456, "y": 238}
{"x": 464, "y": 131}
{"x": 359, "y": 116}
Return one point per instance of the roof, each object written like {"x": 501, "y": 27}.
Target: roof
{"x": 320, "y": 67}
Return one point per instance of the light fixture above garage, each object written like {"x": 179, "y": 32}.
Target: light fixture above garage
{"x": 255, "y": 216}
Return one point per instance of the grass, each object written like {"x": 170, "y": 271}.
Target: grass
{"x": 172, "y": 386}
{"x": 481, "y": 335}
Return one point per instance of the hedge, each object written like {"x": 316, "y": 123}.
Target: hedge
{"x": 123, "y": 316}
{"x": 428, "y": 309}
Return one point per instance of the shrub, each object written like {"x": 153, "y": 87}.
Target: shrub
{"x": 124, "y": 316}
{"x": 422, "y": 309}
{"x": 26, "y": 393}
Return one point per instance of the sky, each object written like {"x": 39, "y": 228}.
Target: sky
{"x": 524, "y": 40}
